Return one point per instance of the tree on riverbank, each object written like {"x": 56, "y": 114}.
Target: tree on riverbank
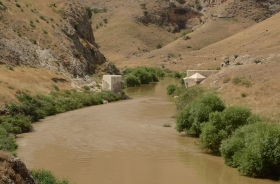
{"x": 254, "y": 150}
{"x": 221, "y": 125}
{"x": 244, "y": 140}
{"x": 141, "y": 75}
{"x": 194, "y": 114}
{"x": 145, "y": 75}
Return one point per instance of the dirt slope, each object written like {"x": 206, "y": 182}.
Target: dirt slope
{"x": 258, "y": 52}
{"x": 128, "y": 41}
{"x": 260, "y": 41}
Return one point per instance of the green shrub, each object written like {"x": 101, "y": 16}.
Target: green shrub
{"x": 191, "y": 117}
{"x": 156, "y": 72}
{"x": 131, "y": 80}
{"x": 2, "y": 6}
{"x": 243, "y": 95}
{"x": 40, "y": 106}
{"x": 30, "y": 106}
{"x": 86, "y": 88}
{"x": 183, "y": 119}
{"x": 177, "y": 75}
{"x": 186, "y": 32}
{"x": 254, "y": 149}
{"x": 211, "y": 136}
{"x": 89, "y": 12}
{"x": 167, "y": 125}
{"x": 182, "y": 82}
{"x": 242, "y": 81}
{"x": 47, "y": 177}
{"x": 145, "y": 12}
{"x": 159, "y": 46}
{"x": 32, "y": 24}
{"x": 108, "y": 96}
{"x": 234, "y": 117}
{"x": 16, "y": 124}
{"x": 171, "y": 89}
{"x": 236, "y": 80}
{"x": 246, "y": 83}
{"x": 254, "y": 119}
{"x": 143, "y": 74}
{"x": 43, "y": 18}
{"x": 221, "y": 125}
{"x": 45, "y": 31}
{"x": 7, "y": 142}
{"x": 188, "y": 95}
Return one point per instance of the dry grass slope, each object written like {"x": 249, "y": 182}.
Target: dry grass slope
{"x": 29, "y": 80}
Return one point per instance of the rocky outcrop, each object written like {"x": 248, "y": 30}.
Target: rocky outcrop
{"x": 14, "y": 171}
{"x": 64, "y": 44}
{"x": 257, "y": 10}
{"x": 79, "y": 30}
{"x": 181, "y": 17}
{"x": 192, "y": 13}
{"x": 177, "y": 18}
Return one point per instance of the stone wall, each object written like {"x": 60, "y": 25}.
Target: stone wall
{"x": 205, "y": 73}
{"x": 113, "y": 83}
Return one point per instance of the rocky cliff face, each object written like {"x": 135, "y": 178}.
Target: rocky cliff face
{"x": 58, "y": 36}
{"x": 78, "y": 29}
{"x": 13, "y": 171}
{"x": 257, "y": 10}
{"x": 191, "y": 13}
{"x": 174, "y": 15}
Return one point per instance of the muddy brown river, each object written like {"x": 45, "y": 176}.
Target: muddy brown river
{"x": 123, "y": 143}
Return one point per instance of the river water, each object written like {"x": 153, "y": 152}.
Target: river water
{"x": 123, "y": 143}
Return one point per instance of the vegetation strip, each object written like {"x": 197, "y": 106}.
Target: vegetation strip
{"x": 145, "y": 75}
{"x": 32, "y": 108}
{"x": 243, "y": 139}
{"x": 47, "y": 177}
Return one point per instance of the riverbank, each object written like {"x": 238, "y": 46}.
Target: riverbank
{"x": 123, "y": 143}
{"x": 29, "y": 109}
{"x": 244, "y": 139}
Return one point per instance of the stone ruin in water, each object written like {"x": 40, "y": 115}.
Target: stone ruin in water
{"x": 113, "y": 83}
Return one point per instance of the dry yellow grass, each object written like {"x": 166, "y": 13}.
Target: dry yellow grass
{"x": 258, "y": 90}
{"x": 28, "y": 80}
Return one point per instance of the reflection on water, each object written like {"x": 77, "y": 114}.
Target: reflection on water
{"x": 124, "y": 143}
{"x": 148, "y": 90}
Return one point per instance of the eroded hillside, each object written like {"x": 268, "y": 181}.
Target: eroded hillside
{"x": 49, "y": 34}
{"x": 132, "y": 30}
